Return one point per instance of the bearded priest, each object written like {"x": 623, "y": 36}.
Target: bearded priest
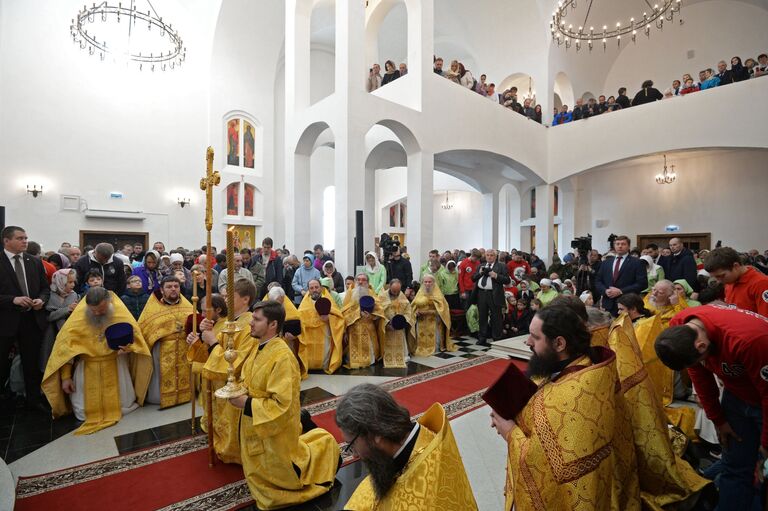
{"x": 412, "y": 466}
{"x": 283, "y": 465}
{"x": 433, "y": 319}
{"x": 365, "y": 324}
{"x": 162, "y": 324}
{"x": 398, "y": 338}
{"x": 322, "y": 330}
{"x": 100, "y": 365}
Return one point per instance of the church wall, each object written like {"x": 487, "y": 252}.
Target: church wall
{"x": 722, "y": 192}
{"x": 86, "y": 128}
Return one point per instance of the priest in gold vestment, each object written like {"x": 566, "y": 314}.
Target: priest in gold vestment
{"x": 433, "y": 319}
{"x": 663, "y": 301}
{"x": 322, "y": 336}
{"x": 283, "y": 466}
{"x": 365, "y": 325}
{"x": 162, "y": 324}
{"x": 412, "y": 466}
{"x": 100, "y": 384}
{"x": 398, "y": 340}
{"x": 666, "y": 480}
{"x": 570, "y": 445}
{"x": 225, "y": 418}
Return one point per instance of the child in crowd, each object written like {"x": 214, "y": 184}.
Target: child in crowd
{"x": 535, "y": 305}
{"x": 60, "y": 305}
{"x": 135, "y": 298}
{"x": 92, "y": 279}
{"x": 520, "y": 319}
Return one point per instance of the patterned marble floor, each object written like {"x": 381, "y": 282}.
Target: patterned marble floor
{"x": 32, "y": 444}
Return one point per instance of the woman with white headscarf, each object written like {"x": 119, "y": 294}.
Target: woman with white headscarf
{"x": 377, "y": 274}
{"x": 655, "y": 272}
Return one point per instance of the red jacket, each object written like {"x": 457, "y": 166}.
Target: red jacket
{"x": 750, "y": 292}
{"x": 740, "y": 359}
{"x": 467, "y": 268}
{"x": 513, "y": 265}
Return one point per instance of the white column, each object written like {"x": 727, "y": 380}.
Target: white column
{"x": 421, "y": 48}
{"x": 297, "y": 25}
{"x": 491, "y": 220}
{"x": 513, "y": 219}
{"x": 420, "y": 219}
{"x": 545, "y": 227}
{"x": 567, "y": 213}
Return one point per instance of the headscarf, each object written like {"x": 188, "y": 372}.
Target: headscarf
{"x": 686, "y": 286}
{"x": 156, "y": 255}
{"x": 653, "y": 268}
{"x": 65, "y": 263}
{"x": 310, "y": 257}
{"x": 59, "y": 280}
{"x": 376, "y": 265}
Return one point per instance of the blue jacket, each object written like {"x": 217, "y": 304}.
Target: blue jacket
{"x": 710, "y": 83}
{"x": 632, "y": 278}
{"x": 563, "y": 118}
{"x": 135, "y": 302}
{"x": 302, "y": 277}
{"x": 150, "y": 280}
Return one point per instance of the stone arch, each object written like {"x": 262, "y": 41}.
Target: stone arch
{"x": 564, "y": 89}
{"x": 587, "y": 96}
{"x": 524, "y": 83}
{"x": 376, "y": 17}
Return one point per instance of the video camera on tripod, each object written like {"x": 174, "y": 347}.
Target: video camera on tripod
{"x": 388, "y": 246}
{"x": 583, "y": 245}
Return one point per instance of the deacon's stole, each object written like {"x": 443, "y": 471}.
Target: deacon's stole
{"x": 163, "y": 323}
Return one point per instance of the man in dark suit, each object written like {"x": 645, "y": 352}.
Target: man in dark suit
{"x": 680, "y": 265}
{"x": 490, "y": 279}
{"x": 23, "y": 293}
{"x": 620, "y": 275}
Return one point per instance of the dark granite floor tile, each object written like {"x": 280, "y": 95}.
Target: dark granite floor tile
{"x": 174, "y": 431}
{"x": 4, "y": 447}
{"x": 445, "y": 355}
{"x": 5, "y": 431}
{"x": 136, "y": 441}
{"x": 64, "y": 425}
{"x": 313, "y": 395}
{"x": 15, "y": 454}
{"x": 21, "y": 438}
{"x": 471, "y": 355}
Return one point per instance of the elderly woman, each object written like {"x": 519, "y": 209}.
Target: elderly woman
{"x": 685, "y": 293}
{"x": 654, "y": 271}
{"x": 547, "y": 292}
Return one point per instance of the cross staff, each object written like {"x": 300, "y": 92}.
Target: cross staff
{"x": 211, "y": 179}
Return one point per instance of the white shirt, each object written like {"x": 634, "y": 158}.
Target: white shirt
{"x": 410, "y": 436}
{"x": 488, "y": 282}
{"x": 11, "y": 256}
{"x": 621, "y": 263}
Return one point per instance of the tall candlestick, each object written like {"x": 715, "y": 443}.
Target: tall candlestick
{"x": 231, "y": 274}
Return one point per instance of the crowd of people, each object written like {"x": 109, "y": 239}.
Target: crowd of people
{"x": 458, "y": 73}
{"x": 125, "y": 317}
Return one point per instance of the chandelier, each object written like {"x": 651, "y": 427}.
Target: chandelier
{"x": 566, "y": 30}
{"x": 126, "y": 34}
{"x": 667, "y": 177}
{"x": 446, "y": 205}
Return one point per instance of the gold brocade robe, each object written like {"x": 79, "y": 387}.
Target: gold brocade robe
{"x": 363, "y": 335}
{"x": 665, "y": 479}
{"x": 396, "y": 344}
{"x": 599, "y": 336}
{"x": 438, "y": 317}
{"x": 433, "y": 478}
{"x": 197, "y": 355}
{"x": 163, "y": 323}
{"x": 282, "y": 466}
{"x": 315, "y": 333}
{"x": 226, "y": 441}
{"x": 79, "y": 339}
{"x": 683, "y": 417}
{"x": 571, "y": 447}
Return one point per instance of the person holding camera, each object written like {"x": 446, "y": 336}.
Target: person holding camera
{"x": 490, "y": 279}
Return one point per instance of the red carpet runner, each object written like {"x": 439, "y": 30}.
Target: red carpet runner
{"x": 176, "y": 476}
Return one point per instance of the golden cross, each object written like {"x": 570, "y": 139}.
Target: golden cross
{"x": 211, "y": 179}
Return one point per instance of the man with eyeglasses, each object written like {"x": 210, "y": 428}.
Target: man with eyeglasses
{"x": 400, "y": 455}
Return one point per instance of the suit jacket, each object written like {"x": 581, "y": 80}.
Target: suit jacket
{"x": 37, "y": 285}
{"x": 680, "y": 266}
{"x": 632, "y": 278}
{"x": 498, "y": 283}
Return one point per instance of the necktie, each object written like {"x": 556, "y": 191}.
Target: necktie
{"x": 20, "y": 274}
{"x": 616, "y": 268}
{"x": 484, "y": 280}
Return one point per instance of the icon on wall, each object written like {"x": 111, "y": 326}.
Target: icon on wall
{"x": 233, "y": 142}
{"x": 393, "y": 215}
{"x": 402, "y": 215}
{"x": 249, "y": 144}
{"x": 243, "y": 236}
{"x": 233, "y": 195}
{"x": 250, "y": 192}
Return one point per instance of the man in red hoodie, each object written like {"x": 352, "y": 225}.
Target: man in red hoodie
{"x": 467, "y": 267}
{"x": 745, "y": 287}
{"x": 517, "y": 262}
{"x": 732, "y": 344}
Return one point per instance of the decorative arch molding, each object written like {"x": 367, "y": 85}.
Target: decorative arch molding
{"x": 306, "y": 142}
{"x": 404, "y": 134}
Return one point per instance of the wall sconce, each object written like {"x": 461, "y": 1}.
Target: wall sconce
{"x": 182, "y": 202}
{"x": 35, "y": 191}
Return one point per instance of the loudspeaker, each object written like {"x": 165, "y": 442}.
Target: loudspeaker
{"x": 2, "y": 217}
{"x": 359, "y": 238}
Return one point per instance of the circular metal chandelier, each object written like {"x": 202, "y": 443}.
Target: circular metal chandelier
{"x": 128, "y": 35}
{"x": 666, "y": 177}
{"x": 566, "y": 32}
